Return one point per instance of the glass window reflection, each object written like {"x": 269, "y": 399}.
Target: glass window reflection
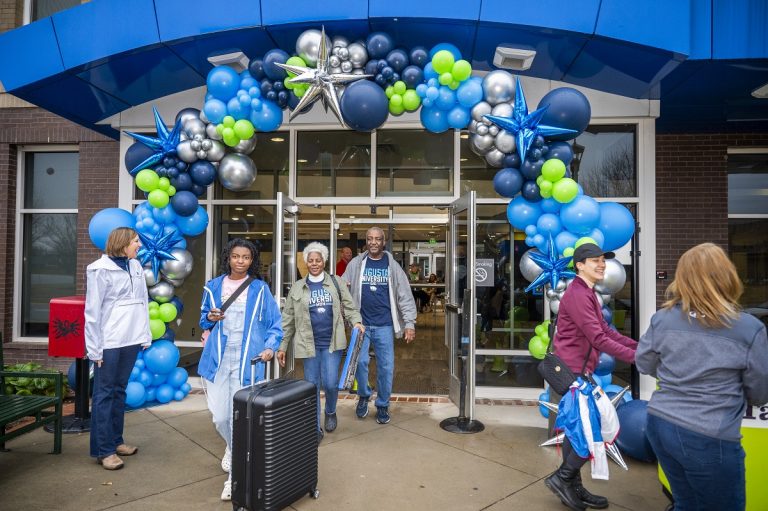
{"x": 51, "y": 180}
{"x": 605, "y": 161}
{"x": 414, "y": 162}
{"x": 333, "y": 164}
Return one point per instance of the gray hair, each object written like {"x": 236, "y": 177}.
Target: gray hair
{"x": 317, "y": 248}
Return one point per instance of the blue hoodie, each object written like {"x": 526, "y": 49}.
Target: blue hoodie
{"x": 263, "y": 328}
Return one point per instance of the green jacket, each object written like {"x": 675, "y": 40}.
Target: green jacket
{"x": 297, "y": 325}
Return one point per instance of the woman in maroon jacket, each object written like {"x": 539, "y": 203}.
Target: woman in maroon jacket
{"x": 580, "y": 326}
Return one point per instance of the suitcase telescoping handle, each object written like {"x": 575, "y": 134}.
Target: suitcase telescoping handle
{"x": 255, "y": 360}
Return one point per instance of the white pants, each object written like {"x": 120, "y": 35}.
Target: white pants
{"x": 220, "y": 393}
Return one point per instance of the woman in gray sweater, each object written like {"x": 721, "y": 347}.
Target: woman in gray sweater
{"x": 711, "y": 360}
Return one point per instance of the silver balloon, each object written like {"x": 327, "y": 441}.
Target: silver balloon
{"x": 561, "y": 285}
{"x": 505, "y": 142}
{"x": 196, "y": 145}
{"x": 551, "y": 294}
{"x": 344, "y": 53}
{"x": 185, "y": 151}
{"x": 528, "y": 267}
{"x": 554, "y": 306}
{"x": 607, "y": 299}
{"x": 493, "y": 130}
{"x": 205, "y": 144}
{"x": 358, "y": 71}
{"x": 498, "y": 87}
{"x": 162, "y": 292}
{"x": 237, "y": 172}
{"x": 175, "y": 282}
{"x": 599, "y": 298}
{"x": 614, "y": 279}
{"x": 149, "y": 277}
{"x": 204, "y": 117}
{"x": 201, "y": 154}
{"x": 246, "y": 146}
{"x": 186, "y": 114}
{"x": 211, "y": 133}
{"x": 340, "y": 41}
{"x": 481, "y": 144}
{"x": 502, "y": 110}
{"x": 358, "y": 55}
{"x": 216, "y": 152}
{"x": 335, "y": 70}
{"x": 494, "y": 157}
{"x": 346, "y": 67}
{"x": 481, "y": 129}
{"x": 308, "y": 46}
{"x": 334, "y": 61}
{"x": 194, "y": 127}
{"x": 480, "y": 110}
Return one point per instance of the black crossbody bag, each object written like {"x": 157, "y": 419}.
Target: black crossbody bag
{"x": 205, "y": 333}
{"x": 555, "y": 371}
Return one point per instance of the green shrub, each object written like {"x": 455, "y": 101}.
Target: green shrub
{"x": 25, "y": 386}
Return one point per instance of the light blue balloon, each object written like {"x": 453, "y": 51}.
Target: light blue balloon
{"x": 195, "y": 224}
{"x": 564, "y": 240}
{"x": 433, "y": 93}
{"x": 470, "y": 93}
{"x": 458, "y": 117}
{"x": 105, "y": 221}
{"x": 531, "y": 230}
{"x": 581, "y": 215}
{"x": 434, "y": 119}
{"x": 164, "y": 393}
{"x": 529, "y": 241}
{"x": 543, "y": 410}
{"x": 151, "y": 394}
{"x": 223, "y": 82}
{"x": 427, "y": 103}
{"x": 135, "y": 394}
{"x": 215, "y": 110}
{"x": 446, "y": 99}
{"x": 549, "y": 224}
{"x": 445, "y": 46}
{"x": 540, "y": 242}
{"x": 236, "y": 109}
{"x": 550, "y": 205}
{"x": 269, "y": 118}
{"x": 597, "y": 235}
{"x": 421, "y": 90}
{"x": 165, "y": 215}
{"x": 247, "y": 82}
{"x": 617, "y": 225}
{"x": 522, "y": 213}
{"x": 177, "y": 377}
{"x": 429, "y": 72}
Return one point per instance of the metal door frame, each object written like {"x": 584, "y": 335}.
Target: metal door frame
{"x": 285, "y": 208}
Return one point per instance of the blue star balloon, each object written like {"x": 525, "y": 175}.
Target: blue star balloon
{"x": 523, "y": 125}
{"x": 554, "y": 268}
{"x": 163, "y": 145}
{"x": 157, "y": 249}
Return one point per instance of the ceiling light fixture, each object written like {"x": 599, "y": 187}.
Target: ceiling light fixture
{"x": 516, "y": 59}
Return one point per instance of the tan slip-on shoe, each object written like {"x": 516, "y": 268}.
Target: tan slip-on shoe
{"x": 111, "y": 462}
{"x": 127, "y": 450}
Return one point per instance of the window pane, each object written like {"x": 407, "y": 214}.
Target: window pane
{"x": 333, "y": 164}
{"x": 254, "y": 223}
{"x": 44, "y": 8}
{"x": 270, "y": 156}
{"x": 748, "y": 183}
{"x": 476, "y": 174}
{"x": 605, "y": 161}
{"x": 414, "y": 162}
{"x": 747, "y": 239}
{"x": 190, "y": 293}
{"x": 48, "y": 267}
{"x": 50, "y": 180}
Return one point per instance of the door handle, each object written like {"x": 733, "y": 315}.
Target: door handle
{"x": 452, "y": 307}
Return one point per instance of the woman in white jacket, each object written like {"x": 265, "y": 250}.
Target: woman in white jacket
{"x": 116, "y": 325}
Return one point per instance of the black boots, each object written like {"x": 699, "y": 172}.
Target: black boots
{"x": 562, "y": 482}
{"x": 588, "y": 499}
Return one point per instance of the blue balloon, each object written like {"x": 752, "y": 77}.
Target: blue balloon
{"x": 566, "y": 108}
{"x": 531, "y": 169}
{"x": 215, "y": 110}
{"x": 434, "y": 119}
{"x": 195, "y": 224}
{"x": 136, "y": 154}
{"x": 139, "y": 363}
{"x": 161, "y": 357}
{"x": 511, "y": 160}
{"x": 256, "y": 69}
{"x": 135, "y": 373}
{"x": 445, "y": 99}
{"x": 135, "y": 394}
{"x": 379, "y": 45}
{"x": 550, "y": 205}
{"x": 185, "y": 388}
{"x": 597, "y": 235}
{"x": 522, "y": 213}
{"x": 508, "y": 182}
{"x": 184, "y": 203}
{"x": 202, "y": 172}
{"x": 605, "y": 365}
{"x": 237, "y": 110}
{"x": 364, "y": 106}
{"x": 549, "y": 224}
{"x": 268, "y": 118}
{"x": 458, "y": 117}
{"x": 613, "y": 389}
{"x": 616, "y": 224}
{"x": 429, "y": 72}
{"x": 562, "y": 151}
{"x": 581, "y": 215}
{"x": 178, "y": 395}
{"x": 164, "y": 393}
{"x": 223, "y": 82}
{"x": 105, "y": 221}
{"x": 531, "y": 191}
{"x": 179, "y": 305}
{"x": 413, "y": 76}
{"x": 531, "y": 231}
{"x": 564, "y": 240}
{"x": 632, "y": 439}
{"x": 158, "y": 379}
{"x": 72, "y": 376}
{"x": 419, "y": 56}
{"x": 397, "y": 60}
{"x": 540, "y": 242}
{"x": 177, "y": 377}
{"x": 470, "y": 92}
{"x": 145, "y": 378}
{"x": 164, "y": 215}
{"x": 445, "y": 46}
{"x": 272, "y": 71}
{"x": 543, "y": 410}
{"x": 607, "y": 314}
{"x": 182, "y": 182}
{"x": 151, "y": 394}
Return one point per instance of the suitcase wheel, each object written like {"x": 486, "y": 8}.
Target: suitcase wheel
{"x": 314, "y": 493}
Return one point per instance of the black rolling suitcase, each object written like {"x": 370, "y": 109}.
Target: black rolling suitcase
{"x": 274, "y": 443}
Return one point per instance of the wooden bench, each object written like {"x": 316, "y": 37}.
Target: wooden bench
{"x": 14, "y": 408}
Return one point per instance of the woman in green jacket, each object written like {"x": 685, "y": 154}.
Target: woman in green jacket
{"x": 312, "y": 320}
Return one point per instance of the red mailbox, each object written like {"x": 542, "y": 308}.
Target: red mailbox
{"x": 66, "y": 327}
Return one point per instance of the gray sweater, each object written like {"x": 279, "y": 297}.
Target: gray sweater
{"x": 706, "y": 376}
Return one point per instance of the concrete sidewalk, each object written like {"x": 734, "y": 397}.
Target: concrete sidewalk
{"x": 408, "y": 464}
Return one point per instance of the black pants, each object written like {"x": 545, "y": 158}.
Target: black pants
{"x": 570, "y": 458}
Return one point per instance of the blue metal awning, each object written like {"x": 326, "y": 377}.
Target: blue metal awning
{"x": 702, "y": 58}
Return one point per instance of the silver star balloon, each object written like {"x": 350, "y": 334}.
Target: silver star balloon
{"x": 322, "y": 82}
{"x": 610, "y": 449}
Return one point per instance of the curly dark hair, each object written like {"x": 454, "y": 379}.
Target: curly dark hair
{"x": 253, "y": 270}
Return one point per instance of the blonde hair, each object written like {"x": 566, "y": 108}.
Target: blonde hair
{"x": 706, "y": 284}
{"x": 118, "y": 241}
{"x": 317, "y": 248}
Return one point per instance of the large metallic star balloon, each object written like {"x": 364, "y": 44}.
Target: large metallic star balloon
{"x": 554, "y": 268}
{"x": 523, "y": 125}
{"x": 322, "y": 83}
{"x": 163, "y": 144}
{"x": 610, "y": 449}
{"x": 156, "y": 249}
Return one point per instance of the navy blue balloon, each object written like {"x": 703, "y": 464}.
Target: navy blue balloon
{"x": 567, "y": 108}
{"x": 72, "y": 376}
{"x": 380, "y": 80}
{"x": 198, "y": 190}
{"x": 372, "y": 67}
{"x": 272, "y": 71}
{"x": 169, "y": 335}
{"x": 271, "y": 95}
{"x": 531, "y": 192}
{"x": 412, "y": 76}
{"x": 394, "y": 78}
{"x": 387, "y": 72}
{"x": 184, "y": 203}
{"x": 397, "y": 60}
{"x": 282, "y": 98}
{"x": 136, "y": 154}
{"x": 364, "y": 106}
{"x": 256, "y": 69}
{"x": 265, "y": 86}
{"x": 293, "y": 101}
{"x": 632, "y": 439}
{"x": 530, "y": 170}
{"x": 380, "y": 65}
{"x": 182, "y": 182}
{"x": 379, "y": 45}
{"x": 179, "y": 305}
{"x": 172, "y": 172}
{"x": 419, "y": 56}
{"x": 182, "y": 166}
{"x": 605, "y": 365}
{"x": 511, "y": 160}
{"x": 562, "y": 151}
{"x": 508, "y": 182}
{"x": 202, "y": 172}
{"x": 278, "y": 86}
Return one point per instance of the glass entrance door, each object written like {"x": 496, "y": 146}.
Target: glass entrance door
{"x": 284, "y": 268}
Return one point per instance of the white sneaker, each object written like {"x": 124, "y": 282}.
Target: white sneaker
{"x": 226, "y": 461}
{"x": 226, "y": 493}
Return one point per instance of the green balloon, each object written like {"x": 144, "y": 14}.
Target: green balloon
{"x": 396, "y": 100}
{"x": 288, "y": 84}
{"x": 147, "y": 180}
{"x": 295, "y": 61}
{"x": 154, "y": 313}
{"x": 454, "y": 85}
{"x": 553, "y": 170}
{"x": 220, "y": 128}
{"x": 389, "y": 91}
{"x": 461, "y": 70}
{"x": 167, "y": 312}
{"x": 545, "y": 185}
{"x": 540, "y": 329}
{"x": 545, "y": 194}
{"x": 157, "y": 328}
{"x": 171, "y": 191}
{"x": 537, "y": 347}
{"x": 585, "y": 239}
{"x": 244, "y": 129}
{"x": 411, "y": 100}
{"x": 153, "y": 305}
{"x": 445, "y": 79}
{"x": 565, "y": 190}
{"x": 164, "y": 183}
{"x": 228, "y": 121}
{"x": 299, "y": 91}
{"x": 442, "y": 61}
{"x": 158, "y": 198}
{"x": 399, "y": 87}
{"x": 396, "y": 109}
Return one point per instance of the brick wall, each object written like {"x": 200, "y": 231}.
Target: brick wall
{"x": 692, "y": 194}
{"x": 98, "y": 181}
{"x": 11, "y": 14}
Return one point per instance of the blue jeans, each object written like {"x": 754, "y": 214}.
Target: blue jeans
{"x": 704, "y": 473}
{"x": 108, "y": 402}
{"x": 323, "y": 370}
{"x": 383, "y": 339}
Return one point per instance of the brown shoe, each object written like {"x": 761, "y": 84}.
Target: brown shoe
{"x": 127, "y": 450}
{"x": 111, "y": 462}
